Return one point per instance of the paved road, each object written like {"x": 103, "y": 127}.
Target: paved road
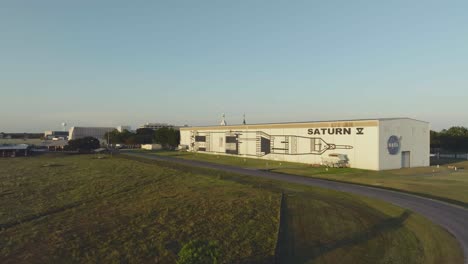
{"x": 451, "y": 217}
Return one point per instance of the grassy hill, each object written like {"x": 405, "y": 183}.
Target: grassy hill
{"x": 82, "y": 209}
{"x": 86, "y": 210}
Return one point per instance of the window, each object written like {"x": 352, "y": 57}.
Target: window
{"x": 200, "y": 139}
{"x": 231, "y": 139}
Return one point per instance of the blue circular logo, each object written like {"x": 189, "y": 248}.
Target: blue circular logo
{"x": 393, "y": 145}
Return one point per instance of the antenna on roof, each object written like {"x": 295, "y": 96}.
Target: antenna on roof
{"x": 223, "y": 121}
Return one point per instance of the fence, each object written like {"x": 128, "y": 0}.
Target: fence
{"x": 451, "y": 156}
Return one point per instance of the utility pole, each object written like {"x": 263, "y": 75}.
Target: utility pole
{"x": 108, "y": 143}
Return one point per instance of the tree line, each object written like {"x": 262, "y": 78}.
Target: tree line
{"x": 167, "y": 137}
{"x": 454, "y": 139}
{"x": 20, "y": 135}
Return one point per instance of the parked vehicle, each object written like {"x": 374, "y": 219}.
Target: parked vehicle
{"x": 336, "y": 160}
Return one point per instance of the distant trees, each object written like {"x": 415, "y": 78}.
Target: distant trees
{"x": 83, "y": 144}
{"x": 145, "y": 135}
{"x": 454, "y": 139}
{"x": 115, "y": 136}
{"x": 167, "y": 137}
{"x": 129, "y": 138}
{"x": 24, "y": 135}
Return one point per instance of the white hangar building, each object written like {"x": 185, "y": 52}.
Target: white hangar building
{"x": 373, "y": 144}
{"x": 96, "y": 132}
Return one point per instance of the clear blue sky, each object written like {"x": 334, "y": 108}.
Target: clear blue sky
{"x": 186, "y": 62}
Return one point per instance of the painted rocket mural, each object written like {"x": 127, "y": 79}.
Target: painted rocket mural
{"x": 265, "y": 144}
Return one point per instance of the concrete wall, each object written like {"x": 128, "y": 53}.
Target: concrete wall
{"x": 414, "y": 136}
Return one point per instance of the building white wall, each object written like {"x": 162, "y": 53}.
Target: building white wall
{"x": 362, "y": 148}
{"x": 414, "y": 137}
{"x": 367, "y": 150}
{"x": 96, "y": 132}
{"x": 123, "y": 128}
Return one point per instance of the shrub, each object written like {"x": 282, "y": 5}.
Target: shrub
{"x": 199, "y": 252}
{"x": 83, "y": 144}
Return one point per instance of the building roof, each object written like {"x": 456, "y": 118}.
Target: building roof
{"x": 362, "y": 122}
{"x": 54, "y": 143}
{"x": 56, "y": 132}
{"x": 80, "y": 127}
{"x": 156, "y": 125}
{"x": 14, "y": 147}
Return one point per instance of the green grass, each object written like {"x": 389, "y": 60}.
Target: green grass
{"x": 124, "y": 209}
{"x": 324, "y": 226}
{"x": 321, "y": 228}
{"x": 224, "y": 159}
{"x": 87, "y": 210}
{"x": 440, "y": 183}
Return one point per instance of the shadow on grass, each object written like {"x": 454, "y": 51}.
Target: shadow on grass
{"x": 288, "y": 252}
{"x": 275, "y": 169}
{"x": 50, "y": 165}
{"x": 361, "y": 237}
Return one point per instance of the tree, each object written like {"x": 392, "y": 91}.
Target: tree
{"x": 83, "y": 144}
{"x": 167, "y": 137}
{"x": 173, "y": 139}
{"x": 454, "y": 139}
{"x": 116, "y": 137}
{"x": 199, "y": 252}
{"x": 435, "y": 139}
{"x": 113, "y": 136}
{"x": 457, "y": 131}
{"x": 125, "y": 136}
{"x": 144, "y": 135}
{"x": 144, "y": 131}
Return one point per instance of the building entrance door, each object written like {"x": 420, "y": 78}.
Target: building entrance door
{"x": 405, "y": 159}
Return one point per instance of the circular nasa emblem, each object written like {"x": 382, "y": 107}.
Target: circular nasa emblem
{"x": 393, "y": 145}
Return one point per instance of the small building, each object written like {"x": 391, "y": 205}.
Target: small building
{"x": 20, "y": 150}
{"x": 56, "y": 134}
{"x": 151, "y": 146}
{"x": 56, "y": 145}
{"x": 373, "y": 144}
{"x": 156, "y": 126}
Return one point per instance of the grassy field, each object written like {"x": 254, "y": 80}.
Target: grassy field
{"x": 87, "y": 210}
{"x": 441, "y": 183}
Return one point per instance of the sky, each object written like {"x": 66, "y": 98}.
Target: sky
{"x": 110, "y": 63}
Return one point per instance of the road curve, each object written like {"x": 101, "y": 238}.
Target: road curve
{"x": 451, "y": 217}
